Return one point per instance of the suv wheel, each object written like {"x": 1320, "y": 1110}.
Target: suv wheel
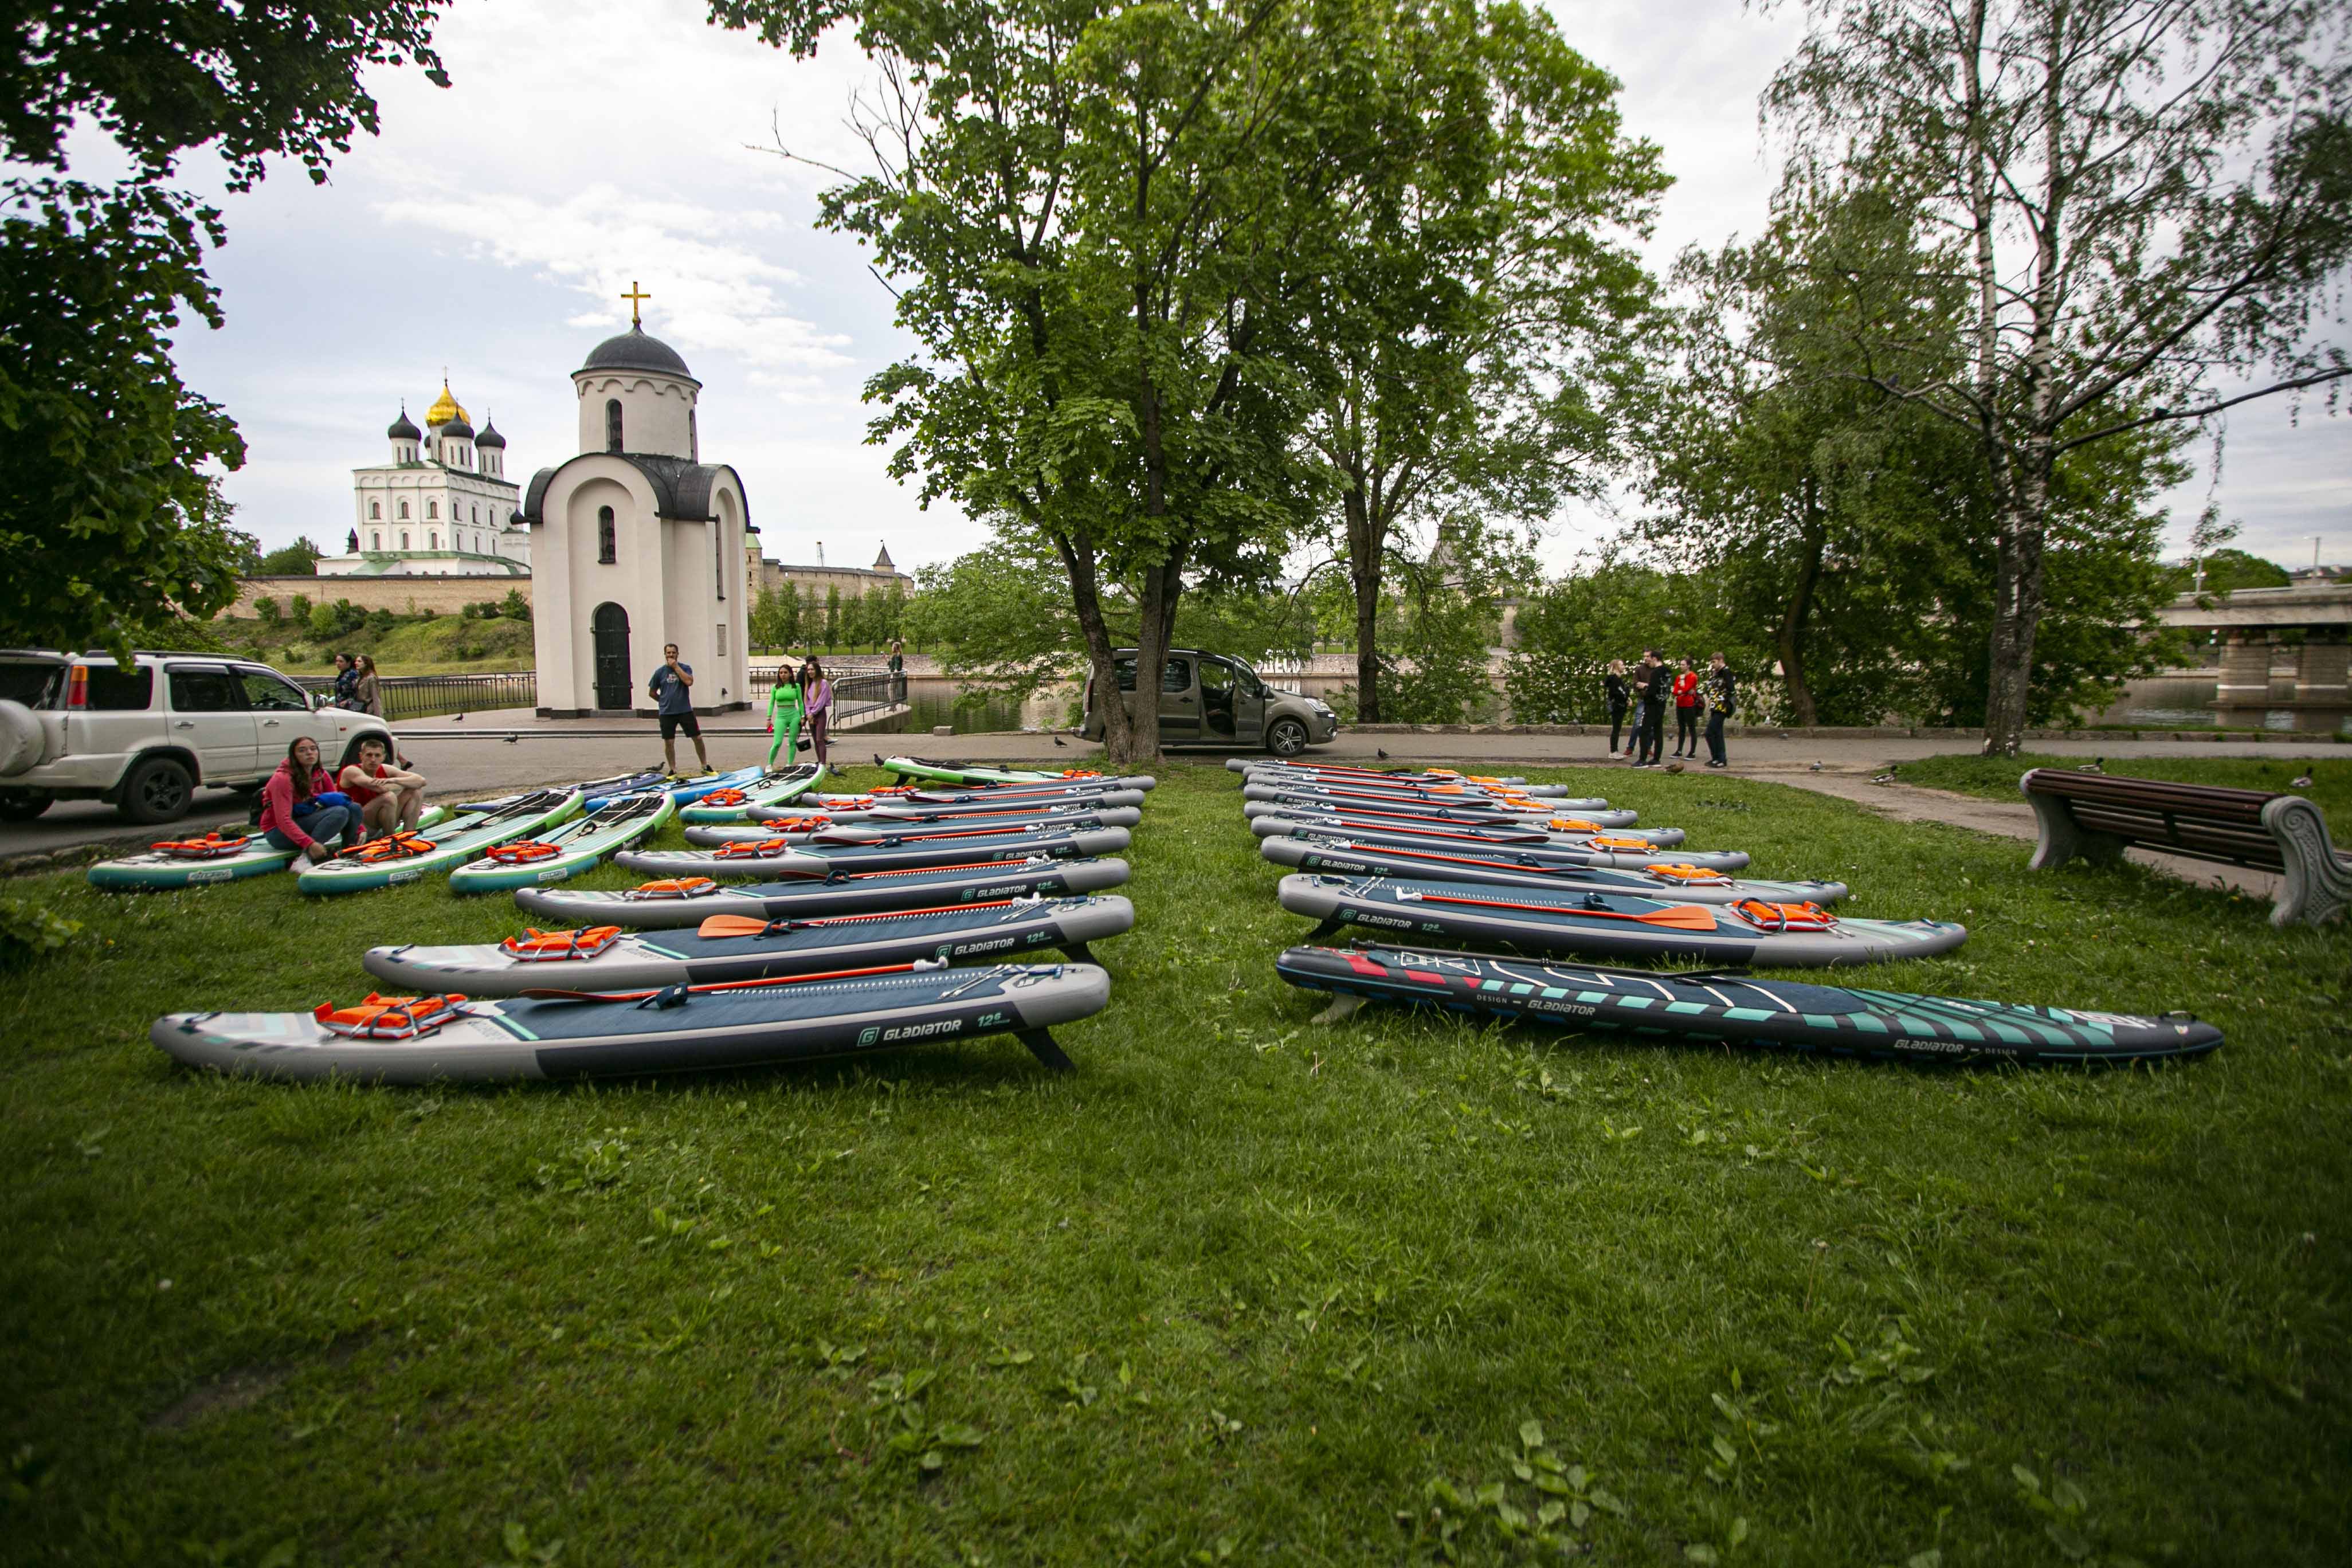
{"x": 1286, "y": 737}
{"x": 158, "y": 790}
{"x": 23, "y": 805}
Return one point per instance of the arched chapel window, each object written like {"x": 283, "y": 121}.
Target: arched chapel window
{"x": 404, "y": 512}
{"x": 433, "y": 540}
{"x": 433, "y": 509}
{"x": 403, "y": 539}
{"x": 375, "y": 538}
{"x": 612, "y": 424}
{"x": 375, "y": 510}
{"x": 608, "y": 544}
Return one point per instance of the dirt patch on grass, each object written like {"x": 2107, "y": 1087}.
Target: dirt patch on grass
{"x": 244, "y": 1387}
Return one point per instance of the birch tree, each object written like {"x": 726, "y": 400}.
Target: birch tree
{"x": 2149, "y": 203}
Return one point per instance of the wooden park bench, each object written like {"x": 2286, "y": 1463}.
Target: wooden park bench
{"x": 2099, "y": 816}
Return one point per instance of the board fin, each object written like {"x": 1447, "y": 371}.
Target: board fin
{"x": 1041, "y": 1045}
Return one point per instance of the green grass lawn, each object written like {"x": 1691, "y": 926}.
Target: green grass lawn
{"x": 1242, "y": 1290}
{"x": 1996, "y": 777}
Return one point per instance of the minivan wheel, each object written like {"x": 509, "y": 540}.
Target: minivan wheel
{"x": 23, "y": 806}
{"x": 158, "y": 790}
{"x": 1286, "y": 737}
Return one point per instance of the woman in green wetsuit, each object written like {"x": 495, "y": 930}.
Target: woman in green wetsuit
{"x": 786, "y": 704}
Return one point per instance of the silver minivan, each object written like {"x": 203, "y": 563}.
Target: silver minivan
{"x": 144, "y": 737}
{"x": 1217, "y": 699}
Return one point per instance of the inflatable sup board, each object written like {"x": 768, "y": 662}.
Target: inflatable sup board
{"x": 820, "y": 829}
{"x": 218, "y": 856}
{"x": 736, "y": 947}
{"x": 1290, "y": 803}
{"x": 733, "y": 803}
{"x": 595, "y": 792}
{"x": 1438, "y": 781}
{"x": 565, "y": 851}
{"x": 1313, "y": 849}
{"x": 1799, "y": 936}
{"x": 1738, "y": 1009}
{"x": 1558, "y": 832}
{"x": 568, "y": 1035}
{"x": 980, "y": 776}
{"x": 1337, "y": 796}
{"x": 690, "y": 901}
{"x": 1659, "y": 878}
{"x": 405, "y": 857}
{"x": 772, "y": 857}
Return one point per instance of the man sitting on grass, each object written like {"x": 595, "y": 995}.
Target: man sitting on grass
{"x": 390, "y": 799}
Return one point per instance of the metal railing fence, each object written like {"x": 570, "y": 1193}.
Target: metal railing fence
{"x": 430, "y": 696}
{"x": 855, "y": 694}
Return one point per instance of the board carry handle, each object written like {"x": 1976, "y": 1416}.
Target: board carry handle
{"x": 1681, "y": 916}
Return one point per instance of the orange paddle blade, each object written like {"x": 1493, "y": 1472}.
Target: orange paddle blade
{"x": 1682, "y": 917}
{"x": 730, "y": 925}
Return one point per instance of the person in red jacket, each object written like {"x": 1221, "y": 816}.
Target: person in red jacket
{"x": 1686, "y": 711}
{"x": 388, "y": 799}
{"x": 302, "y": 810}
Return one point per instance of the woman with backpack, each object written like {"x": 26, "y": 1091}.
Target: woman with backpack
{"x": 302, "y": 809}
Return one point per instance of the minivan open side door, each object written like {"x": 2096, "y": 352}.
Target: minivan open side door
{"x": 1180, "y": 701}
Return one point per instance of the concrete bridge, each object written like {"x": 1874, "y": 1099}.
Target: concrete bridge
{"x": 2248, "y": 623}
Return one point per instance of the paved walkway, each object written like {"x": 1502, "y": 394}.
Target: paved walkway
{"x": 498, "y": 752}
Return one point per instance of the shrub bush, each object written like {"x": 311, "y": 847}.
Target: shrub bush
{"x": 28, "y": 930}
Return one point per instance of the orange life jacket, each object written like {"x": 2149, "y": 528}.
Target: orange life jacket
{"x": 522, "y": 851}
{"x": 390, "y": 1017}
{"x": 211, "y": 847}
{"x": 1774, "y": 917}
{"x": 673, "y": 888}
{"x": 392, "y": 847}
{"x": 536, "y": 946}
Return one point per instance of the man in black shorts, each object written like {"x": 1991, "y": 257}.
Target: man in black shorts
{"x": 672, "y": 690}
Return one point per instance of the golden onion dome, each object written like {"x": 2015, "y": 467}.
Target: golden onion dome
{"x": 445, "y": 408}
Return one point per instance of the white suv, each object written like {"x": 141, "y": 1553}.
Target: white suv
{"x": 143, "y": 738}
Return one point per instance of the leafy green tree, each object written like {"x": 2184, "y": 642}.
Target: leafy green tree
{"x": 109, "y": 519}
{"x": 829, "y": 635}
{"x": 112, "y": 524}
{"x": 997, "y": 620}
{"x": 1105, "y": 224}
{"x": 2143, "y": 199}
{"x": 257, "y": 78}
{"x": 299, "y": 559}
{"x": 1473, "y": 309}
{"x": 1570, "y": 630}
{"x": 2226, "y": 570}
{"x": 515, "y": 607}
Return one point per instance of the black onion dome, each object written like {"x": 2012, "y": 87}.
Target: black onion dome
{"x": 632, "y": 350}
{"x": 489, "y": 436}
{"x": 401, "y": 430}
{"x": 458, "y": 428}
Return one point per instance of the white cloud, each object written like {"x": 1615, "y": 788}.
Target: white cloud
{"x": 713, "y": 291}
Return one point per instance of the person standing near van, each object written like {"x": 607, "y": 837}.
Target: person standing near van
{"x": 1722, "y": 698}
{"x": 1620, "y": 696}
{"x": 819, "y": 697}
{"x": 672, "y": 690}
{"x": 347, "y": 681}
{"x": 786, "y": 703}
{"x": 1687, "y": 706}
{"x": 1651, "y": 678}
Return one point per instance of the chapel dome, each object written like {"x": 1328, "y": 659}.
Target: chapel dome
{"x": 401, "y": 430}
{"x": 634, "y": 350}
{"x": 458, "y": 428}
{"x": 447, "y": 409}
{"x": 489, "y": 436}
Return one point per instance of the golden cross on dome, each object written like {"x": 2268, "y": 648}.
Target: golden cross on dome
{"x": 635, "y": 294}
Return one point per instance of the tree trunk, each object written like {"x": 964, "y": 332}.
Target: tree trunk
{"x": 2017, "y": 609}
{"x": 1364, "y": 572}
{"x": 1788, "y": 636}
{"x": 1120, "y": 738}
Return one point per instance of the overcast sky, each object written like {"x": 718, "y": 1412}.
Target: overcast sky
{"x": 587, "y": 143}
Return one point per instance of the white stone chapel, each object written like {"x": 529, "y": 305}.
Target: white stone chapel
{"x": 636, "y": 542}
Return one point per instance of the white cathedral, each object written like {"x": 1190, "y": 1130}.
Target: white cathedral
{"x": 443, "y": 506}
{"x": 636, "y": 542}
